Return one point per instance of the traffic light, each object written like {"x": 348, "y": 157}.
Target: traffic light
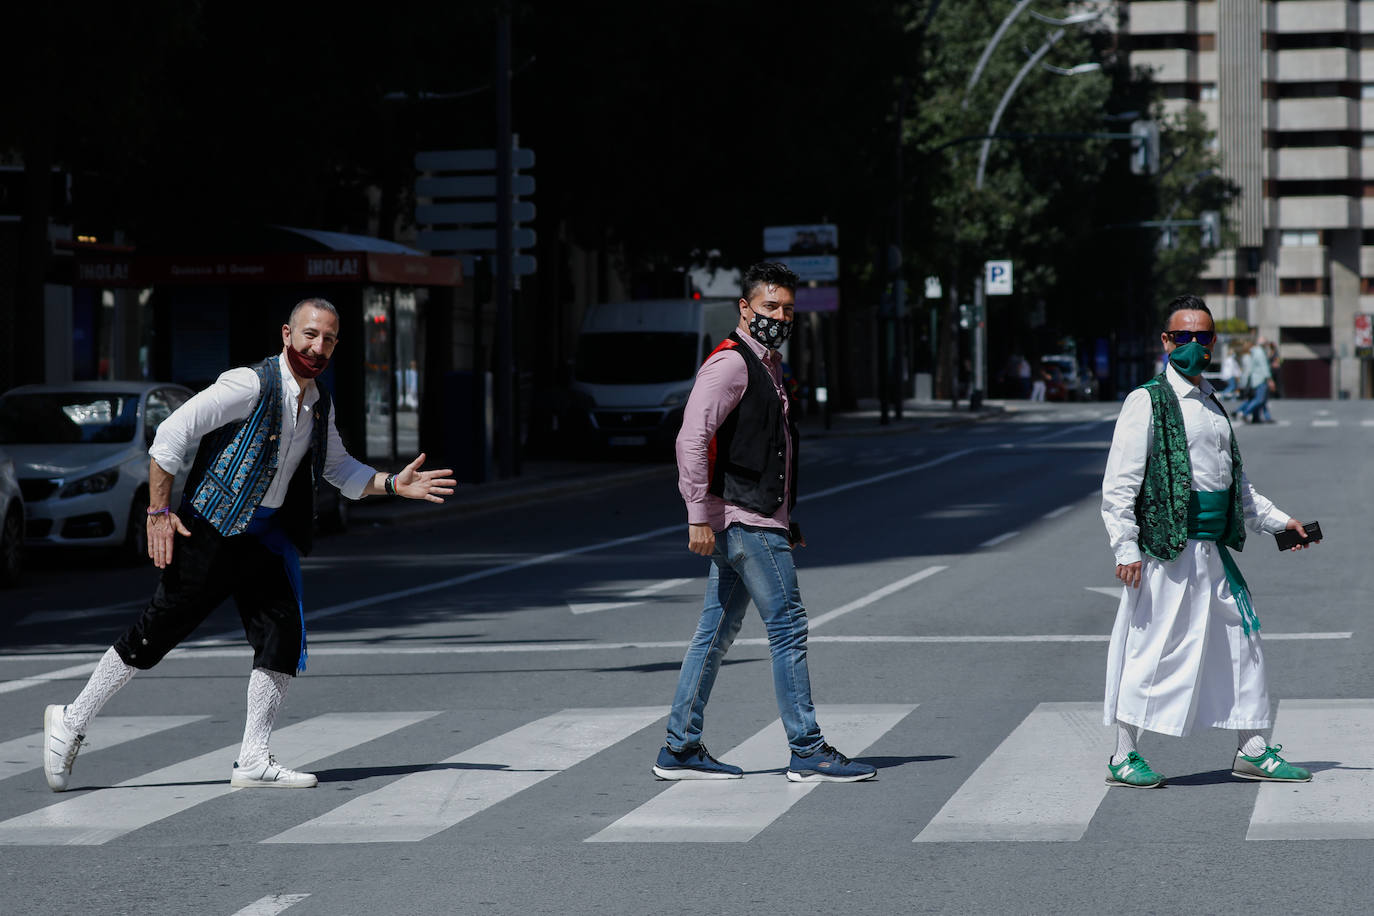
{"x": 1211, "y": 229}
{"x": 1144, "y": 148}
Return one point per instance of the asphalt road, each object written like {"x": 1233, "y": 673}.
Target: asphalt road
{"x": 486, "y": 693}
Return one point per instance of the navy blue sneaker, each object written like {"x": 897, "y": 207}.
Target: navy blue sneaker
{"x": 693, "y": 763}
{"x": 826, "y": 764}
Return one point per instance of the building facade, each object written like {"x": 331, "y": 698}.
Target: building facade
{"x": 1288, "y": 86}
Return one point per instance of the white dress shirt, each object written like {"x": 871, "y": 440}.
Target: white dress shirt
{"x": 1209, "y": 449}
{"x": 231, "y": 398}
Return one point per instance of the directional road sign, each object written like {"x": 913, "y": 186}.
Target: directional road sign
{"x": 470, "y": 160}
{"x": 469, "y": 239}
{"x": 470, "y": 186}
{"x": 522, "y": 211}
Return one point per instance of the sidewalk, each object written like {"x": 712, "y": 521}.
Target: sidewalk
{"x": 547, "y": 478}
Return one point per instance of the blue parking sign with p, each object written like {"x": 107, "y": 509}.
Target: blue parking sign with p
{"x": 997, "y": 278}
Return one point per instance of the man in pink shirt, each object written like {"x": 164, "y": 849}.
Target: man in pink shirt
{"x": 737, "y": 472}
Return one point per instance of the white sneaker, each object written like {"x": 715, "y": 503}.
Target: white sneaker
{"x": 271, "y": 776}
{"x": 59, "y": 748}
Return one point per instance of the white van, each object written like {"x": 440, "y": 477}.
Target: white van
{"x": 636, "y": 362}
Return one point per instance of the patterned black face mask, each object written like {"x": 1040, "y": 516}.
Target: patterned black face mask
{"x": 771, "y": 332}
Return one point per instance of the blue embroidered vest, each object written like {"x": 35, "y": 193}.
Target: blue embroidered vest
{"x": 237, "y": 463}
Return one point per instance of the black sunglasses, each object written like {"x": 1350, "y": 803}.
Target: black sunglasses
{"x": 1182, "y": 337}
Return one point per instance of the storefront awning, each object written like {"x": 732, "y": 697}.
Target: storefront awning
{"x": 345, "y": 259}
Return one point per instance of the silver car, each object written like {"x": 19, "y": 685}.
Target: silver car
{"x": 11, "y": 522}
{"x": 80, "y": 452}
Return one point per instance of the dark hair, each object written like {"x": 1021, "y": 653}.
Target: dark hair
{"x": 770, "y": 273}
{"x": 314, "y": 302}
{"x": 1185, "y": 304}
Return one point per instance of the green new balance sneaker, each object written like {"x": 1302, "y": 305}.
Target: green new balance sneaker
{"x": 1133, "y": 772}
{"x": 1268, "y": 766}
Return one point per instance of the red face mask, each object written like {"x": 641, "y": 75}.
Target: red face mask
{"x": 306, "y": 366}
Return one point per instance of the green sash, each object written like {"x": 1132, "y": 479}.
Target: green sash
{"x": 1207, "y": 516}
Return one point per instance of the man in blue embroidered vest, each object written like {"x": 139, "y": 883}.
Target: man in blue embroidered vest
{"x": 737, "y": 473}
{"x": 266, "y": 436}
{"x": 1186, "y": 645}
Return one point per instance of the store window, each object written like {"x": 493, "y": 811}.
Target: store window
{"x": 391, "y": 372}
{"x": 407, "y": 374}
{"x": 377, "y": 368}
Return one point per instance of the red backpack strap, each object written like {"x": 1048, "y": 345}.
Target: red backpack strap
{"x": 726, "y": 344}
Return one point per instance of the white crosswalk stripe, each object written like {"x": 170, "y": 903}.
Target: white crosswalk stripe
{"x": 422, "y": 804}
{"x": 735, "y": 811}
{"x": 23, "y": 754}
{"x": 98, "y": 817}
{"x": 1335, "y": 740}
{"x": 1044, "y": 782}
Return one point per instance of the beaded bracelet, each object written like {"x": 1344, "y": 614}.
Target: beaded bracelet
{"x": 163, "y": 511}
{"x": 391, "y": 484}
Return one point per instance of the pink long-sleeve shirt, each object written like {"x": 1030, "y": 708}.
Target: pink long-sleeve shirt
{"x": 720, "y": 385}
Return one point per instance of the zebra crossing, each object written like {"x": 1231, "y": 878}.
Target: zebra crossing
{"x": 1042, "y": 783}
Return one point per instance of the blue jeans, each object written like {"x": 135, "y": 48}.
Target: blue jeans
{"x": 1258, "y": 405}
{"x": 749, "y": 563}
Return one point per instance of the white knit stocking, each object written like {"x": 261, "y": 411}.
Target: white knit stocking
{"x": 109, "y": 675}
{"x": 1126, "y": 737}
{"x": 1250, "y": 742}
{"x": 266, "y": 691}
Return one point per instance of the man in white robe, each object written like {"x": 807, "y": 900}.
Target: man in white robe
{"x": 1185, "y": 649}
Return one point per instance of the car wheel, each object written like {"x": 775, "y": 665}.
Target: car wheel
{"x": 11, "y": 547}
{"x": 135, "y": 549}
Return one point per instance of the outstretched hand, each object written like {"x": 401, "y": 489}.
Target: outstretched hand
{"x": 162, "y": 531}
{"x": 413, "y": 483}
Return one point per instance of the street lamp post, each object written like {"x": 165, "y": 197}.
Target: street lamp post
{"x": 979, "y": 292}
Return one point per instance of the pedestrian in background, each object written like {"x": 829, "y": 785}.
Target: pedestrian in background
{"x": 266, "y": 436}
{"x": 1186, "y": 648}
{"x": 737, "y": 473}
{"x": 1260, "y": 380}
{"x": 1042, "y": 376}
{"x": 1230, "y": 376}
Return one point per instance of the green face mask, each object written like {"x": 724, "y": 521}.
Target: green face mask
{"x": 1191, "y": 358}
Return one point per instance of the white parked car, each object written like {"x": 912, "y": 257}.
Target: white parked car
{"x": 80, "y": 452}
{"x": 11, "y": 522}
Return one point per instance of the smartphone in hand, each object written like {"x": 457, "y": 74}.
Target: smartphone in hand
{"x": 1287, "y": 539}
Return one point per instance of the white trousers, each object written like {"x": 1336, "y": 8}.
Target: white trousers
{"x": 1178, "y": 655}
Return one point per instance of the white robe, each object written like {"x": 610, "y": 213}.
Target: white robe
{"x": 1178, "y": 654}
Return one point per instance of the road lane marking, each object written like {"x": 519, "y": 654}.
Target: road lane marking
{"x": 108, "y": 610}
{"x": 993, "y": 542}
{"x": 101, "y": 816}
{"x": 875, "y": 595}
{"x": 498, "y": 648}
{"x": 271, "y": 906}
{"x": 1043, "y": 783}
{"x": 422, "y": 804}
{"x": 1367, "y": 422}
{"x": 47, "y": 677}
{"x": 1058, "y": 512}
{"x": 737, "y": 810}
{"x": 648, "y": 590}
{"x": 1111, "y": 591}
{"x": 23, "y": 754}
{"x": 386, "y": 597}
{"x": 1326, "y": 422}
{"x": 1337, "y": 737}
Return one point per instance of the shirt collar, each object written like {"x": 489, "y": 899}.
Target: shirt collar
{"x": 1184, "y": 388}
{"x": 760, "y": 350}
{"x": 293, "y": 389}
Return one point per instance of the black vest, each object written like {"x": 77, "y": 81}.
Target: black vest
{"x": 748, "y": 456}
